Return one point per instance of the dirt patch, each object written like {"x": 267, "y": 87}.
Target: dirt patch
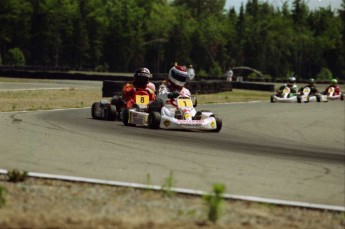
{"x": 45, "y": 203}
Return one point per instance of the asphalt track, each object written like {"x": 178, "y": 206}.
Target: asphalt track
{"x": 290, "y": 152}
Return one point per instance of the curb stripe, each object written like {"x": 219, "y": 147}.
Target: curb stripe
{"x": 183, "y": 191}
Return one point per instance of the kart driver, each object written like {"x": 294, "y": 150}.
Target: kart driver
{"x": 334, "y": 84}
{"x": 173, "y": 87}
{"x": 311, "y": 85}
{"x": 140, "y": 82}
{"x": 291, "y": 84}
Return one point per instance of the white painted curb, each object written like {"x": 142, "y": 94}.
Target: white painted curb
{"x": 184, "y": 191}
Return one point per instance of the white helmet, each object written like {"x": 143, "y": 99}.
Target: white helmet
{"x": 178, "y": 75}
{"x": 292, "y": 80}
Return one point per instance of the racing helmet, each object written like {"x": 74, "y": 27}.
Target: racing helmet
{"x": 291, "y": 81}
{"x": 178, "y": 75}
{"x": 141, "y": 77}
{"x": 334, "y": 82}
{"x": 311, "y": 82}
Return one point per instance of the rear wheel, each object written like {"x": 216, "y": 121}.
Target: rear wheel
{"x": 111, "y": 113}
{"x": 94, "y": 107}
{"x": 342, "y": 97}
{"x": 272, "y": 99}
{"x": 154, "y": 120}
{"x": 318, "y": 98}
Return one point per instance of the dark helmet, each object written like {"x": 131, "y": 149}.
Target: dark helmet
{"x": 141, "y": 76}
{"x": 311, "y": 81}
{"x": 178, "y": 75}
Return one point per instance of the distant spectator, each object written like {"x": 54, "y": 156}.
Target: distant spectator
{"x": 191, "y": 72}
{"x": 229, "y": 74}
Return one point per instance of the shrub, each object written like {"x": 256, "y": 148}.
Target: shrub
{"x": 168, "y": 184}
{"x": 17, "y": 176}
{"x": 16, "y": 57}
{"x": 324, "y": 75}
{"x": 214, "y": 202}
{"x": 2, "y": 196}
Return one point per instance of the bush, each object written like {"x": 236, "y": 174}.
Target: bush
{"x": 2, "y": 196}
{"x": 17, "y": 176}
{"x": 16, "y": 57}
{"x": 324, "y": 75}
{"x": 214, "y": 202}
{"x": 216, "y": 70}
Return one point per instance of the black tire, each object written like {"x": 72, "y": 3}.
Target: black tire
{"x": 272, "y": 99}
{"x": 94, "y": 107}
{"x": 299, "y": 99}
{"x": 342, "y": 97}
{"x": 111, "y": 113}
{"x": 156, "y": 106}
{"x": 125, "y": 116}
{"x": 318, "y": 98}
{"x": 154, "y": 120}
{"x": 195, "y": 101}
{"x": 219, "y": 123}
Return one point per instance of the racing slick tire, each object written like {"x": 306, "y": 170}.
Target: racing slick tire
{"x": 195, "y": 101}
{"x": 342, "y": 97}
{"x": 318, "y": 98}
{"x": 125, "y": 116}
{"x": 154, "y": 120}
{"x": 111, "y": 113}
{"x": 94, "y": 107}
{"x": 299, "y": 99}
{"x": 219, "y": 123}
{"x": 155, "y": 106}
{"x": 272, "y": 99}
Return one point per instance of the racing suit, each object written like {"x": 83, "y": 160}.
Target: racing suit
{"x": 166, "y": 92}
{"x": 129, "y": 90}
{"x": 336, "y": 90}
{"x": 293, "y": 89}
{"x": 313, "y": 90}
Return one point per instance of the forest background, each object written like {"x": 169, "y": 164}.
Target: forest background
{"x": 121, "y": 35}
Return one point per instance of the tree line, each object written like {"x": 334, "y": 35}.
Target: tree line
{"x": 121, "y": 35}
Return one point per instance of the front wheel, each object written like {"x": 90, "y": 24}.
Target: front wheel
{"x": 154, "y": 120}
{"x": 342, "y": 97}
{"x": 219, "y": 123}
{"x": 125, "y": 116}
{"x": 299, "y": 99}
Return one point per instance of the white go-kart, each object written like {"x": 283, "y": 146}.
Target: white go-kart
{"x": 330, "y": 94}
{"x": 284, "y": 97}
{"x": 306, "y": 96}
{"x": 182, "y": 109}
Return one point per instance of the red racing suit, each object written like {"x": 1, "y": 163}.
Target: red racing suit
{"x": 129, "y": 90}
{"x": 336, "y": 90}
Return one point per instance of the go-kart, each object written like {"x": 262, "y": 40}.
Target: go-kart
{"x": 306, "y": 96}
{"x": 113, "y": 110}
{"x": 138, "y": 113}
{"x": 284, "y": 96}
{"x": 330, "y": 94}
{"x": 104, "y": 110}
{"x": 183, "y": 110}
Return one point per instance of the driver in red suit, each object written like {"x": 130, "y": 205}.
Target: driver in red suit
{"x": 334, "y": 83}
{"x": 140, "y": 83}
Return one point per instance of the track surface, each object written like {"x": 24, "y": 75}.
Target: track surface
{"x": 282, "y": 151}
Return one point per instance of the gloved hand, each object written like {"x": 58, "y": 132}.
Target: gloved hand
{"x": 173, "y": 95}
